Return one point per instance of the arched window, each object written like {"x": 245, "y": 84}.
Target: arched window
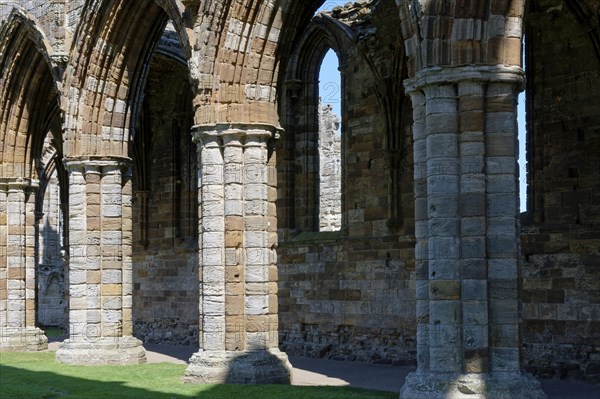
{"x": 311, "y": 152}
{"x": 330, "y": 144}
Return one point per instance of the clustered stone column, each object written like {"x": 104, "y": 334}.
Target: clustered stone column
{"x": 100, "y": 264}
{"x": 238, "y": 273}
{"x": 17, "y": 267}
{"x": 466, "y": 199}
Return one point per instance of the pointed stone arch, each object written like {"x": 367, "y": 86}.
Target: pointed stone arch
{"x": 29, "y": 94}
{"x": 105, "y": 76}
{"x": 298, "y": 103}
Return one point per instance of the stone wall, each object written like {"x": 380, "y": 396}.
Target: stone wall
{"x": 561, "y": 240}
{"x": 563, "y": 149}
{"x": 349, "y": 299}
{"x": 561, "y": 302}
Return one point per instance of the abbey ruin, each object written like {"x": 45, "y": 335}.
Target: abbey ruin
{"x": 169, "y": 175}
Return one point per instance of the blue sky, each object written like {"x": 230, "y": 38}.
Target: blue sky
{"x": 330, "y": 92}
{"x": 329, "y": 80}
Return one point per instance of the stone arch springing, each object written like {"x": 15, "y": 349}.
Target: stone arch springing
{"x": 28, "y": 92}
{"x": 494, "y": 39}
{"x": 105, "y": 76}
{"x": 246, "y": 43}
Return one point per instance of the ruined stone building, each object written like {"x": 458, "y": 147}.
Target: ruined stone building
{"x": 163, "y": 179}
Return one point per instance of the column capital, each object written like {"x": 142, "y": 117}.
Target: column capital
{"x": 90, "y": 162}
{"x": 454, "y": 75}
{"x": 18, "y": 184}
{"x": 241, "y": 132}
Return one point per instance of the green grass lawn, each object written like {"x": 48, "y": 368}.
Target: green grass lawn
{"x": 37, "y": 375}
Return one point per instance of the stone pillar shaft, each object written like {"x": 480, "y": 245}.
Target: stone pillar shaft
{"x": 473, "y": 226}
{"x": 238, "y": 274}
{"x": 442, "y": 229}
{"x": 421, "y": 250}
{"x": 502, "y": 213}
{"x": 17, "y": 271}
{"x": 466, "y": 198}
{"x": 100, "y": 265}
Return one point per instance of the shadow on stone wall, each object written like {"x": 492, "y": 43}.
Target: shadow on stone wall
{"x": 51, "y": 284}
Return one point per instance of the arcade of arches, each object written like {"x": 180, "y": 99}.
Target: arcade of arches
{"x": 160, "y": 182}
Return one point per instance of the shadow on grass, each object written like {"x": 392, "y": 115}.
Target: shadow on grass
{"x": 16, "y": 383}
{"x": 38, "y": 376}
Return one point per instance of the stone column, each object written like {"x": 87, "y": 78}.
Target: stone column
{"x": 100, "y": 264}
{"x": 466, "y": 199}
{"x": 17, "y": 267}
{"x": 238, "y": 272}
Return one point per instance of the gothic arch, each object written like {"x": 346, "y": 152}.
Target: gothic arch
{"x": 322, "y": 34}
{"x": 106, "y": 74}
{"x": 299, "y": 108}
{"x": 386, "y": 64}
{"x": 28, "y": 93}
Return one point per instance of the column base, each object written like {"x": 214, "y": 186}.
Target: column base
{"x": 269, "y": 366}
{"x": 103, "y": 351}
{"x": 471, "y": 386}
{"x": 30, "y": 339}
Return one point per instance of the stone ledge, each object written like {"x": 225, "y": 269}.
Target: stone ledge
{"x": 420, "y": 385}
{"x": 104, "y": 351}
{"x": 254, "y": 367}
